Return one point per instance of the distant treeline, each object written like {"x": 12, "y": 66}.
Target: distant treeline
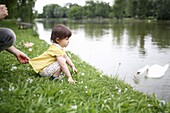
{"x": 140, "y": 9}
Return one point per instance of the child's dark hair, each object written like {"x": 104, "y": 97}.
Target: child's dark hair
{"x": 60, "y": 31}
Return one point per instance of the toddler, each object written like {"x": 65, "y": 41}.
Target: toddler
{"x": 54, "y": 61}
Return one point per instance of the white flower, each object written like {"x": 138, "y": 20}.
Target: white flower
{"x": 116, "y": 87}
{"x": 74, "y": 107}
{"x": 109, "y": 98}
{"x": 30, "y": 49}
{"x": 61, "y": 91}
{"x": 1, "y": 89}
{"x": 29, "y": 80}
{"x": 13, "y": 68}
{"x": 102, "y": 75}
{"x": 60, "y": 105}
{"x": 82, "y": 74}
{"x": 162, "y": 102}
{"x": 85, "y": 87}
{"x": 12, "y": 88}
{"x": 149, "y": 105}
{"x": 119, "y": 91}
{"x": 126, "y": 89}
{"x": 86, "y": 91}
{"x": 105, "y": 101}
{"x": 81, "y": 82}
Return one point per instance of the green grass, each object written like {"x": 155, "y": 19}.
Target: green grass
{"x": 23, "y": 91}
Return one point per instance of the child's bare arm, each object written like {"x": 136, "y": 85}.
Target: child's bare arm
{"x": 62, "y": 62}
{"x": 69, "y": 62}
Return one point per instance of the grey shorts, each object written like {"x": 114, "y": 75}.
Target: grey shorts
{"x": 7, "y": 38}
{"x": 50, "y": 70}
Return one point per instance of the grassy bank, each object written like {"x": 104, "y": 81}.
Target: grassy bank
{"x": 22, "y": 90}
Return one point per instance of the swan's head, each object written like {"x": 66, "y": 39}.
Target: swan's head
{"x": 166, "y": 66}
{"x": 143, "y": 70}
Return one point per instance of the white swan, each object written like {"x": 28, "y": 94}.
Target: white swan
{"x": 154, "y": 71}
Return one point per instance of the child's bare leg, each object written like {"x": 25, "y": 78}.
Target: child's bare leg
{"x": 57, "y": 73}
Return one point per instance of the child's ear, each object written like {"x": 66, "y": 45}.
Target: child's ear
{"x": 57, "y": 39}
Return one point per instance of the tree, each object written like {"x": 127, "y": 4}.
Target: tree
{"x": 12, "y": 7}
{"x": 97, "y": 9}
{"x": 131, "y": 8}
{"x": 58, "y": 11}
{"x": 163, "y": 9}
{"x": 75, "y": 12}
{"x": 119, "y": 8}
{"x": 20, "y": 9}
{"x": 142, "y": 8}
{"x": 89, "y": 9}
{"x": 48, "y": 10}
{"x": 102, "y": 9}
{"x": 25, "y": 10}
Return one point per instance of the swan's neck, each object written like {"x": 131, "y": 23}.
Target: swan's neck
{"x": 146, "y": 69}
{"x": 166, "y": 66}
{"x": 143, "y": 70}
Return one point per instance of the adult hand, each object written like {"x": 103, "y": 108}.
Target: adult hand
{"x": 3, "y": 11}
{"x": 21, "y": 57}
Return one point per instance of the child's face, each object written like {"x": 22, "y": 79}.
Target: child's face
{"x": 63, "y": 42}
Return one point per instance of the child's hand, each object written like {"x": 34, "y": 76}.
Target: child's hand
{"x": 70, "y": 80}
{"x": 74, "y": 69}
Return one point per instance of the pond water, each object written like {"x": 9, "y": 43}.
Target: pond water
{"x": 120, "y": 48}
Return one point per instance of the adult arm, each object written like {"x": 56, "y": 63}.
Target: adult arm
{"x": 21, "y": 57}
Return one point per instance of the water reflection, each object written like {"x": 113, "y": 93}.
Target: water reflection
{"x": 120, "y": 48}
{"x": 136, "y": 30}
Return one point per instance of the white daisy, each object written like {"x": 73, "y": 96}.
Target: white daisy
{"x": 30, "y": 49}
{"x": 74, "y": 107}
{"x": 13, "y": 68}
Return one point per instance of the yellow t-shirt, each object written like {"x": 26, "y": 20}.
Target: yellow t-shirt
{"x": 47, "y": 58}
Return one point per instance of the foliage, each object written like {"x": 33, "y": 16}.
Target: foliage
{"x": 25, "y": 10}
{"x": 54, "y": 11}
{"x": 163, "y": 9}
{"x": 139, "y": 9}
{"x": 20, "y": 9}
{"x": 119, "y": 9}
{"x": 22, "y": 90}
{"x": 90, "y": 10}
{"x": 98, "y": 9}
{"x": 75, "y": 12}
